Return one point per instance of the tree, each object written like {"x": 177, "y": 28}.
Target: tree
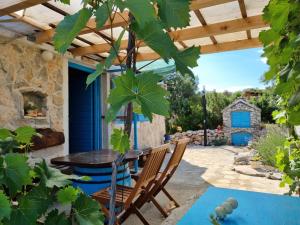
{"x": 149, "y": 21}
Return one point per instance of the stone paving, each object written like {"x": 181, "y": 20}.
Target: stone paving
{"x": 200, "y": 168}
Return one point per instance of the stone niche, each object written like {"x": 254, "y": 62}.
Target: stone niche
{"x": 34, "y": 104}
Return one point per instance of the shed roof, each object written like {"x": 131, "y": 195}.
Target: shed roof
{"x": 243, "y": 101}
{"x": 216, "y": 26}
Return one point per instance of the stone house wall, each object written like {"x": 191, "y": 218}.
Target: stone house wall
{"x": 22, "y": 69}
{"x": 149, "y": 134}
{"x": 242, "y": 105}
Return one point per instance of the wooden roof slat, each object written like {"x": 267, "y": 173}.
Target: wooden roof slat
{"x": 244, "y": 15}
{"x": 187, "y": 34}
{"x": 19, "y": 5}
{"x": 122, "y": 18}
{"x": 207, "y": 49}
{"x": 203, "y": 22}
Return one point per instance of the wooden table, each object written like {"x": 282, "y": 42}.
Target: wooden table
{"x": 97, "y": 165}
{"x": 254, "y": 208}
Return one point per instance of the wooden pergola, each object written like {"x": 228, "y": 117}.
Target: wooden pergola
{"x": 216, "y": 26}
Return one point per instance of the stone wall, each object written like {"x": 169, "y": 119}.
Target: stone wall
{"x": 242, "y": 105}
{"x": 197, "y": 137}
{"x": 22, "y": 69}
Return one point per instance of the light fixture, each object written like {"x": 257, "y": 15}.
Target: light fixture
{"x": 47, "y": 55}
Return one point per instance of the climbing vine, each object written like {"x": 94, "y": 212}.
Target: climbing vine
{"x": 282, "y": 50}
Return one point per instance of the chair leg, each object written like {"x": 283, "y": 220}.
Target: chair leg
{"x": 139, "y": 214}
{"x": 170, "y": 197}
{"x": 158, "y": 206}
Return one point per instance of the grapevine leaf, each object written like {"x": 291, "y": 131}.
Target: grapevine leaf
{"x": 187, "y": 58}
{"x": 4, "y": 133}
{"x": 67, "y": 195}
{"x": 87, "y": 211}
{"x": 24, "y": 134}
{"x": 54, "y": 218}
{"x": 93, "y": 76}
{"x": 102, "y": 14}
{"x": 4, "y": 206}
{"x": 294, "y": 117}
{"x": 31, "y": 206}
{"x": 268, "y": 36}
{"x": 120, "y": 141}
{"x": 108, "y": 61}
{"x": 52, "y": 177}
{"x": 16, "y": 172}
{"x": 143, "y": 11}
{"x": 295, "y": 99}
{"x": 69, "y": 28}
{"x": 174, "y": 13}
{"x": 143, "y": 90}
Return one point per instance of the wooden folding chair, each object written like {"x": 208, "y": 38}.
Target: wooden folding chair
{"x": 127, "y": 198}
{"x": 163, "y": 178}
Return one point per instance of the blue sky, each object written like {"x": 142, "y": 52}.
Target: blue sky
{"x": 232, "y": 71}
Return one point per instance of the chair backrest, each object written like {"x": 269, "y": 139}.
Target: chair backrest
{"x": 176, "y": 157}
{"x": 149, "y": 172}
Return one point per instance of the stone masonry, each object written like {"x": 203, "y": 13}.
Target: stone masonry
{"x": 242, "y": 105}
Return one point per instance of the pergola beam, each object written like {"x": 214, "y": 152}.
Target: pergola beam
{"x": 207, "y": 49}
{"x": 187, "y": 34}
{"x": 122, "y": 18}
{"x": 19, "y": 5}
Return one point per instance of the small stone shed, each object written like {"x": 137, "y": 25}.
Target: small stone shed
{"x": 241, "y": 122}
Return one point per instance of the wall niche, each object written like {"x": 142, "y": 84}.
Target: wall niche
{"x": 34, "y": 104}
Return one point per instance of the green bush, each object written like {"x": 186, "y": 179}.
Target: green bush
{"x": 268, "y": 144}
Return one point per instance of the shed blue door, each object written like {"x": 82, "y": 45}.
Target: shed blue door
{"x": 240, "y": 138}
{"x": 84, "y": 111}
{"x": 240, "y": 119}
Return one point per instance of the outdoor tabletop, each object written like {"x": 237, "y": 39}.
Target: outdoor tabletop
{"x": 254, "y": 208}
{"x": 99, "y": 158}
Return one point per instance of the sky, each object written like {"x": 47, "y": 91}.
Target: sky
{"x": 232, "y": 70}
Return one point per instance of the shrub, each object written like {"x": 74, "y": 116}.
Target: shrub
{"x": 268, "y": 144}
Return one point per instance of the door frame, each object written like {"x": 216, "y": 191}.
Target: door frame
{"x": 97, "y": 120}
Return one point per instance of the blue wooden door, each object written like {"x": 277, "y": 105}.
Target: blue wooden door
{"x": 84, "y": 111}
{"x": 240, "y": 138}
{"x": 240, "y": 119}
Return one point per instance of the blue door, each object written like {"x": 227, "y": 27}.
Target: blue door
{"x": 84, "y": 111}
{"x": 240, "y": 138}
{"x": 240, "y": 119}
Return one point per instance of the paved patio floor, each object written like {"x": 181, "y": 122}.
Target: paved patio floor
{"x": 200, "y": 168}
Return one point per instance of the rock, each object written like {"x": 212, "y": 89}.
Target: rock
{"x": 242, "y": 158}
{"x": 247, "y": 170}
{"x": 274, "y": 176}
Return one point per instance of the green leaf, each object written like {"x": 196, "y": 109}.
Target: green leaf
{"x": 114, "y": 50}
{"x": 69, "y": 28}
{"x": 67, "y": 195}
{"x": 5, "y": 207}
{"x": 54, "y": 218}
{"x": 295, "y": 99}
{"x": 187, "y": 58}
{"x": 143, "y": 90}
{"x": 102, "y": 14}
{"x": 174, "y": 13}
{"x": 87, "y": 211}
{"x": 268, "y": 36}
{"x": 108, "y": 61}
{"x": 32, "y": 206}
{"x": 52, "y": 177}
{"x": 93, "y": 76}
{"x": 143, "y": 11}
{"x": 16, "y": 172}
{"x": 24, "y": 134}
{"x": 120, "y": 141}
{"x": 294, "y": 117}
{"x": 4, "y": 133}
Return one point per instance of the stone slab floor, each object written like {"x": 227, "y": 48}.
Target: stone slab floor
{"x": 200, "y": 168}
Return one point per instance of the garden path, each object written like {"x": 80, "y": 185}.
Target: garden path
{"x": 200, "y": 168}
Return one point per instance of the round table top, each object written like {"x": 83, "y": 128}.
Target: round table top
{"x": 96, "y": 159}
